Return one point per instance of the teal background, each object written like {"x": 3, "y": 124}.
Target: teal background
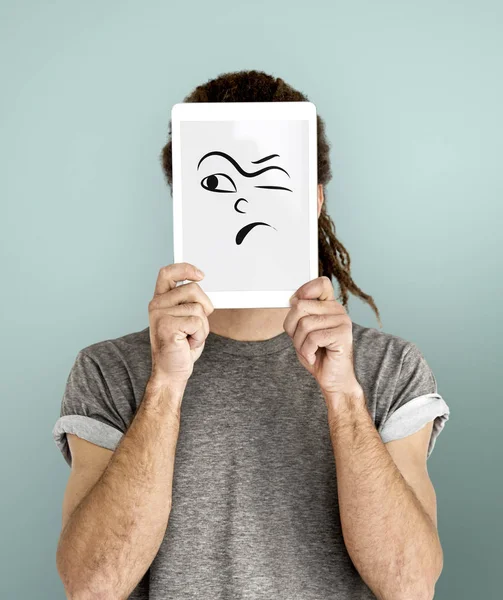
{"x": 411, "y": 93}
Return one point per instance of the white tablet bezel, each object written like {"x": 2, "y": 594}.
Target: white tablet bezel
{"x": 222, "y": 111}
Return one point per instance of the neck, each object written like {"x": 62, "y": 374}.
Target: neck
{"x": 248, "y": 324}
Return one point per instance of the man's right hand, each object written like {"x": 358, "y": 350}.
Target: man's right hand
{"x": 117, "y": 504}
{"x": 178, "y": 317}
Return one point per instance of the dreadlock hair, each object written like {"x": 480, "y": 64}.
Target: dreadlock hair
{"x": 257, "y": 86}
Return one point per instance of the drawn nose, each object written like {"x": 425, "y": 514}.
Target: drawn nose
{"x": 236, "y": 205}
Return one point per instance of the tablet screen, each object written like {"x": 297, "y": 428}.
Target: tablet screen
{"x": 245, "y": 202}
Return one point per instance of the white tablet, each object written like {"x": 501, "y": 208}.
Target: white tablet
{"x": 245, "y": 198}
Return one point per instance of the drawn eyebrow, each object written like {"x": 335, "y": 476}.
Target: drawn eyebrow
{"x": 272, "y": 187}
{"x": 256, "y": 162}
{"x": 236, "y": 165}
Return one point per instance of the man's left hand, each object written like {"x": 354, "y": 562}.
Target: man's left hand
{"x": 322, "y": 334}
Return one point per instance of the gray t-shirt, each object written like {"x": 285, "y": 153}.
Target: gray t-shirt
{"x": 254, "y": 508}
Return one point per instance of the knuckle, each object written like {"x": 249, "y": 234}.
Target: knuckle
{"x": 199, "y": 309}
{"x": 309, "y": 342}
{"x": 201, "y": 297}
{"x": 347, "y": 322}
{"x": 303, "y": 325}
{"x": 153, "y": 304}
{"x": 164, "y": 270}
{"x": 197, "y": 320}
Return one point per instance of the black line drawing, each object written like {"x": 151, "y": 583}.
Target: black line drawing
{"x": 237, "y": 166}
{"x": 212, "y": 183}
{"x": 236, "y": 205}
{"x": 273, "y": 187}
{"x": 244, "y": 231}
{"x": 256, "y": 162}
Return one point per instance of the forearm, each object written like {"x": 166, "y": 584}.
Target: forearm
{"x": 390, "y": 538}
{"x": 115, "y": 532}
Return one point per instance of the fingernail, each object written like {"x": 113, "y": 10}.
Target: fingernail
{"x": 293, "y": 299}
{"x": 199, "y": 272}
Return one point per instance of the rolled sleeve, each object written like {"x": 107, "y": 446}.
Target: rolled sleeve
{"x": 86, "y": 428}
{"x": 88, "y": 409}
{"x": 415, "y": 401}
{"x": 413, "y": 416}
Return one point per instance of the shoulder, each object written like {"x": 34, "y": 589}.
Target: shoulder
{"x": 389, "y": 366}
{"x": 121, "y": 365}
{"x": 400, "y": 387}
{"x": 103, "y": 389}
{"x": 372, "y": 345}
{"x": 108, "y": 378}
{"x": 128, "y": 348}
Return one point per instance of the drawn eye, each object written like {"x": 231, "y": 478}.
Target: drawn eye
{"x": 213, "y": 182}
{"x": 273, "y": 187}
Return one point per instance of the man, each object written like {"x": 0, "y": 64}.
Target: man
{"x": 300, "y": 438}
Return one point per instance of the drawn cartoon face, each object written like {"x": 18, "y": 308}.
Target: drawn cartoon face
{"x": 244, "y": 196}
{"x": 225, "y": 183}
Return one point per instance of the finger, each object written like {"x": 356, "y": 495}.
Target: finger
{"x": 310, "y": 323}
{"x": 160, "y": 303}
{"x": 170, "y": 330}
{"x": 334, "y": 339}
{"x": 187, "y": 292}
{"x": 171, "y": 274}
{"x": 320, "y": 288}
{"x": 301, "y": 308}
{"x": 193, "y": 326}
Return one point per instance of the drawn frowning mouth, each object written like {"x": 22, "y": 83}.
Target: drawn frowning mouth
{"x": 244, "y": 231}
